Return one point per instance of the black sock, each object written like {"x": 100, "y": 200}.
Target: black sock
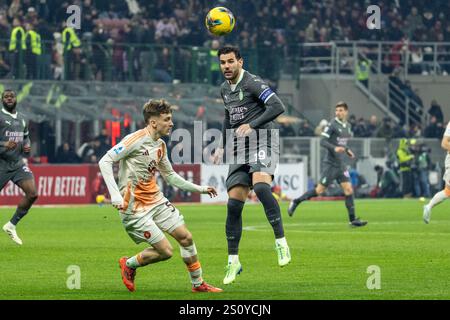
{"x": 350, "y": 207}
{"x": 233, "y": 226}
{"x": 271, "y": 207}
{"x": 19, "y": 214}
{"x": 307, "y": 195}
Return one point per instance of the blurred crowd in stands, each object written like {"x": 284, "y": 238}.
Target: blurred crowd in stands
{"x": 272, "y": 28}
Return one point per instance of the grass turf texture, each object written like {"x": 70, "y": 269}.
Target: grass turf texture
{"x": 329, "y": 259}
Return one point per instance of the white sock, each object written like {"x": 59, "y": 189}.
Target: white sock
{"x": 281, "y": 242}
{"x": 133, "y": 262}
{"x": 233, "y": 258}
{"x": 438, "y": 198}
{"x": 9, "y": 225}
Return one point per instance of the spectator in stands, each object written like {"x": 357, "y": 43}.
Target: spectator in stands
{"x": 436, "y": 111}
{"x": 163, "y": 66}
{"x": 72, "y": 53}
{"x": 66, "y": 154}
{"x": 360, "y": 130}
{"x": 17, "y": 46}
{"x": 87, "y": 150}
{"x": 33, "y": 51}
{"x": 305, "y": 130}
{"x": 420, "y": 170}
{"x": 388, "y": 183}
{"x": 386, "y": 129}
{"x": 372, "y": 126}
{"x": 405, "y": 160}
{"x": 434, "y": 130}
{"x": 363, "y": 71}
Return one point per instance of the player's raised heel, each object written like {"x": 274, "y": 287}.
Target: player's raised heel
{"x": 232, "y": 270}
{"x": 10, "y": 230}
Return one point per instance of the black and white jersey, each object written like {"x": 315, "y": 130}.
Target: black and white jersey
{"x": 12, "y": 127}
{"x": 251, "y": 101}
{"x": 247, "y": 101}
{"x": 337, "y": 133}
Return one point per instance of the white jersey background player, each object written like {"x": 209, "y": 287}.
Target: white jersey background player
{"x": 145, "y": 212}
{"x": 444, "y": 194}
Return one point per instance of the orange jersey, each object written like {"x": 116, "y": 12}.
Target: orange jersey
{"x": 139, "y": 158}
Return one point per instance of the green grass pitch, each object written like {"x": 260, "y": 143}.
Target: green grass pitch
{"x": 329, "y": 259}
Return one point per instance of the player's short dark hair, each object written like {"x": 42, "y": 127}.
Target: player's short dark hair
{"x": 342, "y": 104}
{"x": 229, "y": 49}
{"x": 154, "y": 108}
{"x": 7, "y": 90}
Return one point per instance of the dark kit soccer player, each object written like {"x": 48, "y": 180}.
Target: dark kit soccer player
{"x": 334, "y": 139}
{"x": 250, "y": 108}
{"x": 14, "y": 144}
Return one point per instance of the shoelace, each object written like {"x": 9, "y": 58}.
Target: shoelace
{"x": 280, "y": 252}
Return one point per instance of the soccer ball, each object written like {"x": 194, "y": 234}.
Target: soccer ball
{"x": 220, "y": 21}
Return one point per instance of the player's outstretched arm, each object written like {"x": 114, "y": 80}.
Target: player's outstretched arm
{"x": 106, "y": 168}
{"x": 174, "y": 179}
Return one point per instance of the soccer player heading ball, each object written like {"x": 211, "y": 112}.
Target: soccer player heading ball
{"x": 250, "y": 109}
{"x": 334, "y": 140}
{"x": 144, "y": 210}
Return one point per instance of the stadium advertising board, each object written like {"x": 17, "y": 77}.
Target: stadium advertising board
{"x": 290, "y": 177}
{"x": 56, "y": 184}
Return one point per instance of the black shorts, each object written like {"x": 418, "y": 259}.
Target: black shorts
{"x": 241, "y": 174}
{"x": 331, "y": 173}
{"x": 21, "y": 173}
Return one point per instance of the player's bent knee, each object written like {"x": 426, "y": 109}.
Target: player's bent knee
{"x": 186, "y": 241}
{"x": 260, "y": 188}
{"x": 32, "y": 196}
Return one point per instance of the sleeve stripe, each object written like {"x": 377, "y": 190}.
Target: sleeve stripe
{"x": 269, "y": 97}
{"x": 325, "y": 134}
{"x": 133, "y": 138}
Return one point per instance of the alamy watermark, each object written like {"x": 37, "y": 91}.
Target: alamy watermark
{"x": 374, "y": 20}
{"x": 374, "y": 280}
{"x": 203, "y": 146}
{"x": 74, "y": 20}
{"x": 74, "y": 280}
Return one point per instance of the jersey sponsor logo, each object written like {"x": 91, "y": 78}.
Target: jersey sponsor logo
{"x": 8, "y": 122}
{"x": 118, "y": 149}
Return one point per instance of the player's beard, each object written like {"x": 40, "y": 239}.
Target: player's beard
{"x": 10, "y": 108}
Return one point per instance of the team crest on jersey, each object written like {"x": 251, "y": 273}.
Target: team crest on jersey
{"x": 147, "y": 235}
